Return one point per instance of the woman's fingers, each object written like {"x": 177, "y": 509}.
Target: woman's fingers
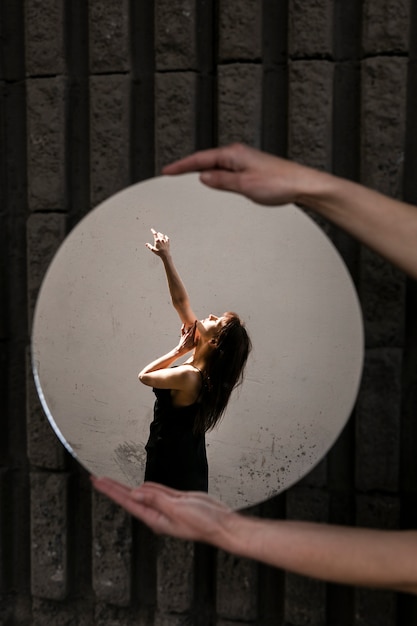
{"x": 160, "y": 243}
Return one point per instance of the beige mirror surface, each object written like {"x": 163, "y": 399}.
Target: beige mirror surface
{"x": 104, "y": 312}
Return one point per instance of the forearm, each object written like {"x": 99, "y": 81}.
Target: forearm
{"x": 162, "y": 362}
{"x": 176, "y": 287}
{"x": 356, "y": 556}
{"x": 386, "y": 225}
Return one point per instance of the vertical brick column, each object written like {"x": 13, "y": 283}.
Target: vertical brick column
{"x": 175, "y": 35}
{"x": 44, "y": 40}
{"x": 239, "y": 85}
{"x": 382, "y": 286}
{"x": 310, "y": 28}
{"x": 305, "y": 598}
{"x": 239, "y": 103}
{"x": 46, "y": 143}
{"x": 240, "y": 30}
{"x": 49, "y": 530}
{"x": 237, "y": 596}
{"x": 175, "y": 578}
{"x": 175, "y": 101}
{"x": 112, "y": 539}
{"x": 175, "y": 80}
{"x": 109, "y": 135}
{"x": 108, "y": 25}
{"x": 385, "y": 26}
{"x": 45, "y": 233}
{"x": 310, "y": 113}
{"x": 376, "y": 607}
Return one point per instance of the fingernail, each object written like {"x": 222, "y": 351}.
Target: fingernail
{"x": 205, "y": 177}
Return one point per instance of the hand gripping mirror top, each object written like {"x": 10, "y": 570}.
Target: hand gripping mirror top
{"x": 104, "y": 312}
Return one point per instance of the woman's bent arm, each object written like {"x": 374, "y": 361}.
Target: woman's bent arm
{"x": 159, "y": 374}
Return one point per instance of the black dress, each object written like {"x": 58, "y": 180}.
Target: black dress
{"x": 175, "y": 456}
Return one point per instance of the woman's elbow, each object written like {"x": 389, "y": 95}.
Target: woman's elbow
{"x": 144, "y": 378}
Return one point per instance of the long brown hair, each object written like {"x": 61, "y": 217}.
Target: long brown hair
{"x": 224, "y": 371}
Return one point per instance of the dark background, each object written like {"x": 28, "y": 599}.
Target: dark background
{"x": 96, "y": 95}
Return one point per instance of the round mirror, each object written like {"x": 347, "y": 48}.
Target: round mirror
{"x": 104, "y": 312}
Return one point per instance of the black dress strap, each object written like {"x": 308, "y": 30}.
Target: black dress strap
{"x": 198, "y": 370}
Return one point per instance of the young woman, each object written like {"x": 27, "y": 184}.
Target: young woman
{"x": 191, "y": 397}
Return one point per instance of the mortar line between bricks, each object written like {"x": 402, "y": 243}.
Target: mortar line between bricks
{"x": 255, "y": 61}
{"x": 391, "y": 54}
{"x": 314, "y": 57}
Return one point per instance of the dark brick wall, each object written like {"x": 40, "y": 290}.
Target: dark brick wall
{"x": 99, "y": 94}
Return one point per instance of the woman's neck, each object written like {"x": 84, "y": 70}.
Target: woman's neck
{"x": 199, "y": 358}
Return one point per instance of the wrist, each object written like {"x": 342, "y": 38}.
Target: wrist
{"x": 166, "y": 257}
{"x": 234, "y": 534}
{"x": 315, "y": 187}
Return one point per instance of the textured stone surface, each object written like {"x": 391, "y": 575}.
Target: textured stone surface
{"x": 108, "y": 35}
{"x": 44, "y": 37}
{"x": 236, "y": 581}
{"x": 3, "y": 277}
{"x": 305, "y": 599}
{"x": 4, "y": 547}
{"x": 239, "y": 103}
{"x": 49, "y": 535}
{"x": 226, "y": 622}
{"x": 61, "y": 614}
{"x": 378, "y": 421}
{"x": 112, "y": 541}
{"x": 382, "y": 289}
{"x": 384, "y": 82}
{"x": 52, "y": 132}
{"x": 378, "y": 511}
{"x": 174, "y": 575}
{"x": 46, "y": 143}
{"x": 164, "y": 619}
{"x": 317, "y": 476}
{"x": 43, "y": 446}
{"x": 240, "y": 29}
{"x": 386, "y": 26}
{"x": 44, "y": 233}
{"x": 175, "y": 101}
{"x": 310, "y": 28}
{"x": 109, "y": 615}
{"x": 109, "y": 136}
{"x": 303, "y": 503}
{"x": 310, "y": 113}
{"x": 376, "y": 607}
{"x": 175, "y": 35}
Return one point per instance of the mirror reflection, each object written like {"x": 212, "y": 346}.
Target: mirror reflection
{"x": 105, "y": 311}
{"x": 192, "y": 396}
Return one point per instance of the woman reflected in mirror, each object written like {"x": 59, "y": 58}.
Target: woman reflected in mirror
{"x": 192, "y": 396}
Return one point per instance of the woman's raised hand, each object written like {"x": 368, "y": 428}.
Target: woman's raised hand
{"x": 160, "y": 245}
{"x": 188, "y": 340}
{"x": 264, "y": 178}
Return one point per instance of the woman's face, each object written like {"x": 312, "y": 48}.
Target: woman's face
{"x": 210, "y": 326}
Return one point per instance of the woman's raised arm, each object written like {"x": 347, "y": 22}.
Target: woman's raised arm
{"x": 177, "y": 290}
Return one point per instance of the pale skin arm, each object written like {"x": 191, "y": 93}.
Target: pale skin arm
{"x": 161, "y": 375}
{"x": 386, "y": 225}
{"x": 177, "y": 290}
{"x": 354, "y": 556}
